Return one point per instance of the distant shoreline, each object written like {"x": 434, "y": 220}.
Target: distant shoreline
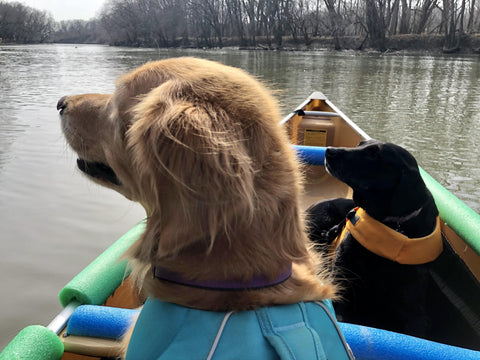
{"x": 409, "y": 43}
{"x": 468, "y": 44}
{"x": 404, "y": 44}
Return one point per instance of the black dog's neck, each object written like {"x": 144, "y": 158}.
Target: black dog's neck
{"x": 418, "y": 223}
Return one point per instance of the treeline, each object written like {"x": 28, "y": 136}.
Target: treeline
{"x": 23, "y": 24}
{"x": 79, "y": 32}
{"x": 210, "y": 23}
{"x": 249, "y": 23}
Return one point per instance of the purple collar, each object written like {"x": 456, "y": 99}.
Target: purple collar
{"x": 257, "y": 282}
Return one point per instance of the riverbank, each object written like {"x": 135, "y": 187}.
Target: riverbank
{"x": 404, "y": 44}
{"x": 410, "y": 43}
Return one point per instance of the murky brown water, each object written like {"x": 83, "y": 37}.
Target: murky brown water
{"x": 53, "y": 221}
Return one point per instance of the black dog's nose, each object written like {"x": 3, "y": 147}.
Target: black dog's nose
{"x": 61, "y": 103}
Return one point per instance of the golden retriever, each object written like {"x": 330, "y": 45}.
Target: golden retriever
{"x": 198, "y": 144}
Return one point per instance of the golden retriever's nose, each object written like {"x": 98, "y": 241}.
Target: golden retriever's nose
{"x": 61, "y": 105}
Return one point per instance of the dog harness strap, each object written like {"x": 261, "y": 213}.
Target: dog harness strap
{"x": 290, "y": 333}
{"x": 388, "y": 243}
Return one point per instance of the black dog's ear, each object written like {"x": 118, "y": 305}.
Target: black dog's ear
{"x": 324, "y": 217}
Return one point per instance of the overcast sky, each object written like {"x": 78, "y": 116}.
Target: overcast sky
{"x": 66, "y": 9}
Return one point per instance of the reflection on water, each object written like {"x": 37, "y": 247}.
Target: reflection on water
{"x": 53, "y": 221}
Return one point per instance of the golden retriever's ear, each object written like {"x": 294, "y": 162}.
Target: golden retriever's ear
{"x": 197, "y": 173}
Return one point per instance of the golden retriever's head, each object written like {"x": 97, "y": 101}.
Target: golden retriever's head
{"x": 199, "y": 145}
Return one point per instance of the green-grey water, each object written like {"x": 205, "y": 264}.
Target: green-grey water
{"x": 53, "y": 221}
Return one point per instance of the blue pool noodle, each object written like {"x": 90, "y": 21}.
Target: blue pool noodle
{"x": 312, "y": 155}
{"x": 369, "y": 343}
{"x": 366, "y": 343}
{"x": 100, "y": 321}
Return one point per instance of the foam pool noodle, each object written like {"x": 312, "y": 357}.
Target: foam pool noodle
{"x": 369, "y": 344}
{"x": 35, "y": 342}
{"x": 99, "y": 280}
{"x": 100, "y": 321}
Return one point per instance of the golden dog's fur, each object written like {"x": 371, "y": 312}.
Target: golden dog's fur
{"x": 199, "y": 145}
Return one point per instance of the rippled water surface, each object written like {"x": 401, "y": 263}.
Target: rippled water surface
{"x": 53, "y": 221}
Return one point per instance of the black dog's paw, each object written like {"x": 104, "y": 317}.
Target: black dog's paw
{"x": 324, "y": 218}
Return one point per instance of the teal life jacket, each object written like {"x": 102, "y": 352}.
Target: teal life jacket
{"x": 301, "y": 331}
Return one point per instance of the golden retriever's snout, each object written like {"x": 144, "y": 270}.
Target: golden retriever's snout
{"x": 86, "y": 131}
{"x": 61, "y": 105}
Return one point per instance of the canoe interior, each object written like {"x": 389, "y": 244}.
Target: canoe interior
{"x": 339, "y": 131}
{"x": 465, "y": 252}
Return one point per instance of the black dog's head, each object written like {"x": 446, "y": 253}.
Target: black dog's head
{"x": 384, "y": 177}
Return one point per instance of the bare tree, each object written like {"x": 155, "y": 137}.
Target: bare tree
{"x": 449, "y": 24}
{"x": 251, "y": 9}
{"x": 375, "y": 21}
{"x": 212, "y": 13}
{"x": 471, "y": 16}
{"x": 236, "y": 19}
{"x": 405, "y": 18}
{"x": 426, "y": 10}
{"x": 23, "y": 24}
{"x": 335, "y": 21}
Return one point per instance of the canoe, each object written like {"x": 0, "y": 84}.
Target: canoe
{"x": 103, "y": 291}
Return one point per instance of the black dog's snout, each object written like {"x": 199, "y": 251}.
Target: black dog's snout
{"x": 61, "y": 105}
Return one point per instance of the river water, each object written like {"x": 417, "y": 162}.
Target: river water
{"x": 53, "y": 221}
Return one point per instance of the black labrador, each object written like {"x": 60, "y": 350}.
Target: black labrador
{"x": 378, "y": 291}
